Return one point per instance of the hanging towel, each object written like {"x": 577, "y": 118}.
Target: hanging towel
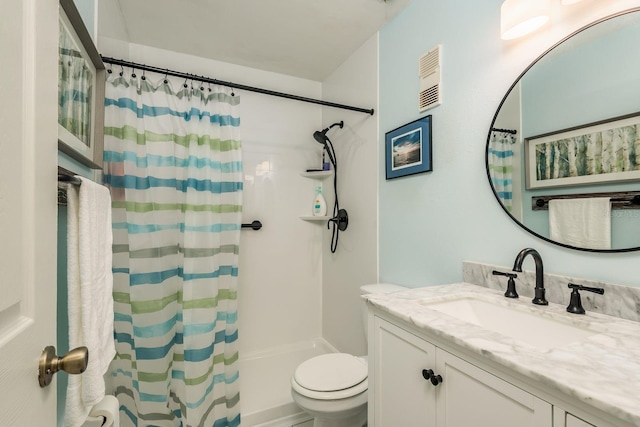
{"x": 90, "y": 298}
{"x": 583, "y": 222}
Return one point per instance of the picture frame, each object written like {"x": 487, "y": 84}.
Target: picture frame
{"x": 408, "y": 149}
{"x": 595, "y": 153}
{"x": 81, "y": 76}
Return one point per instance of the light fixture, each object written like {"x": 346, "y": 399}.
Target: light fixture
{"x": 568, "y": 2}
{"x": 521, "y": 17}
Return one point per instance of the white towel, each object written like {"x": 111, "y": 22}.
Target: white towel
{"x": 581, "y": 222}
{"x": 90, "y": 294}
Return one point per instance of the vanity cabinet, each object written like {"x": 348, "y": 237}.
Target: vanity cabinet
{"x": 403, "y": 393}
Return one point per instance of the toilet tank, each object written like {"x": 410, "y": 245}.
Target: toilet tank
{"x": 375, "y": 288}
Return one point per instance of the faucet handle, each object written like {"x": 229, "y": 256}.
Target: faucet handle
{"x": 500, "y": 273}
{"x": 511, "y": 284}
{"x": 575, "y": 303}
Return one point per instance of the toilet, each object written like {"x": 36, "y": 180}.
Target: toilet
{"x": 333, "y": 387}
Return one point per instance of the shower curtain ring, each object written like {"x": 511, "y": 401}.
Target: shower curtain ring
{"x": 166, "y": 76}
{"x": 133, "y": 73}
{"x": 121, "y": 71}
{"x": 143, "y": 73}
{"x": 185, "y": 83}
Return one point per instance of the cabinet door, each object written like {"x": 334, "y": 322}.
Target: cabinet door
{"x": 561, "y": 418}
{"x": 401, "y": 396}
{"x": 470, "y": 396}
{"x": 576, "y": 422}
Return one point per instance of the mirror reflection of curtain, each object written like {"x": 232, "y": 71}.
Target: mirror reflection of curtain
{"x": 75, "y": 89}
{"x": 501, "y": 166}
{"x": 173, "y": 164}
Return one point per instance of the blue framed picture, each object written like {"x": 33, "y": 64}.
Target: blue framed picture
{"x": 408, "y": 149}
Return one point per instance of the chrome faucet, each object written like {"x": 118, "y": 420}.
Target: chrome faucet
{"x": 539, "y": 298}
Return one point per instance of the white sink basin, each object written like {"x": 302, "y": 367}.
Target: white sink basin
{"x": 542, "y": 332}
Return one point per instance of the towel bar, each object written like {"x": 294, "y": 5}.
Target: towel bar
{"x": 619, "y": 200}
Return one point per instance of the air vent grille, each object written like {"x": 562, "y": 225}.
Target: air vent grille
{"x": 430, "y": 97}
{"x": 429, "y": 61}
{"x": 430, "y": 85}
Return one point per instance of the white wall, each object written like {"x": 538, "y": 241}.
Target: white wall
{"x": 279, "y": 297}
{"x": 354, "y": 264}
{"x": 430, "y": 223}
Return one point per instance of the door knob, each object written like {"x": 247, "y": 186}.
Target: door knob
{"x": 74, "y": 362}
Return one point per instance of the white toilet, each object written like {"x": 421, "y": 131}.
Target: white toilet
{"x": 333, "y": 387}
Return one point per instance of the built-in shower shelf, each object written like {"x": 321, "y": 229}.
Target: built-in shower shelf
{"x": 318, "y": 174}
{"x": 315, "y": 218}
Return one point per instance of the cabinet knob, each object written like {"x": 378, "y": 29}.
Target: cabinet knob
{"x": 428, "y": 374}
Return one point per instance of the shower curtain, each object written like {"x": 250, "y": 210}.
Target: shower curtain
{"x": 501, "y": 166}
{"x": 173, "y": 164}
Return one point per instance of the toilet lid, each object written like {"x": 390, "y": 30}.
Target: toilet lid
{"x": 331, "y": 372}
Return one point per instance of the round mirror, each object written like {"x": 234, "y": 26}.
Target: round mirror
{"x": 563, "y": 151}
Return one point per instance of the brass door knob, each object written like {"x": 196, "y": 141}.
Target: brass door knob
{"x": 74, "y": 362}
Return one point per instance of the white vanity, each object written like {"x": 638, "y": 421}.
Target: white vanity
{"x": 462, "y": 355}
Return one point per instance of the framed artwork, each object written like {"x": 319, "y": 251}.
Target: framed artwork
{"x": 408, "y": 149}
{"x": 80, "y": 90}
{"x": 601, "y": 152}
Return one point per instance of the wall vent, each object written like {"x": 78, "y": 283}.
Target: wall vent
{"x": 429, "y": 71}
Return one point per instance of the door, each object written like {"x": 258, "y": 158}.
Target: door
{"x": 470, "y": 396}
{"x": 402, "y": 396}
{"x": 28, "y": 158}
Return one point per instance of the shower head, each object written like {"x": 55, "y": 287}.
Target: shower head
{"x": 321, "y": 136}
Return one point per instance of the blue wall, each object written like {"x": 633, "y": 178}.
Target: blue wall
{"x": 574, "y": 80}
{"x": 87, "y": 10}
{"x": 430, "y": 223}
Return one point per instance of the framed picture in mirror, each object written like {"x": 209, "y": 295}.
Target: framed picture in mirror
{"x": 408, "y": 149}
{"x": 80, "y": 90}
{"x": 602, "y": 152}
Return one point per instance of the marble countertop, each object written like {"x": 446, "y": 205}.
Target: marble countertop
{"x": 602, "y": 370}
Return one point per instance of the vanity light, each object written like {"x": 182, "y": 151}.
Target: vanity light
{"x": 521, "y": 17}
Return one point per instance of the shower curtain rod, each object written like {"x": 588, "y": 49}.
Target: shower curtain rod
{"x": 232, "y": 85}
{"x": 511, "y": 131}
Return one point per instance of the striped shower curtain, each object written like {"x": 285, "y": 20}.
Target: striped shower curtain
{"x": 173, "y": 164}
{"x": 501, "y": 166}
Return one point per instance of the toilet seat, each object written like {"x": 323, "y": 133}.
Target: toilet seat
{"x": 331, "y": 376}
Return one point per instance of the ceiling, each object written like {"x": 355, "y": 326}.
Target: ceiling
{"x": 302, "y": 38}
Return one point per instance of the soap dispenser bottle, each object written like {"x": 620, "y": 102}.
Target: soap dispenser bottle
{"x": 319, "y": 204}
